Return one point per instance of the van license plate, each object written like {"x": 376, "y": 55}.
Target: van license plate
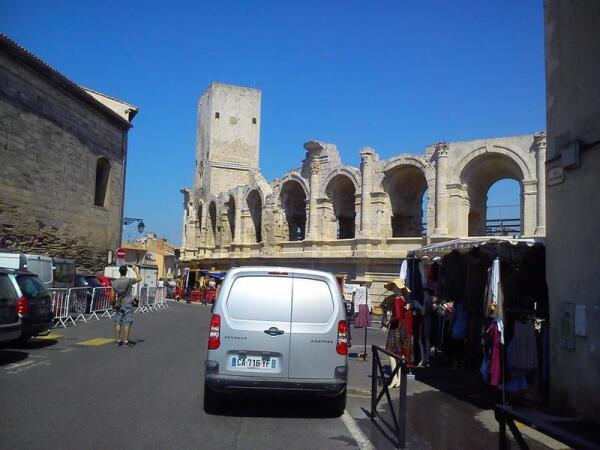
{"x": 259, "y": 363}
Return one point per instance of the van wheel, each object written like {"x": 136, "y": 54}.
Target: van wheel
{"x": 212, "y": 401}
{"x": 337, "y": 404}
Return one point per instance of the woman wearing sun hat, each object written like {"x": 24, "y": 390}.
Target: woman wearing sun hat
{"x": 400, "y": 334}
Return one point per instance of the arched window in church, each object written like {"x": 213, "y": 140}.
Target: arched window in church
{"x": 101, "y": 186}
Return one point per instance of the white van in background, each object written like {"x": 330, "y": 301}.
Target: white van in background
{"x": 42, "y": 266}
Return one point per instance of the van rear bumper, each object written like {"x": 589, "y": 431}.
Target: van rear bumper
{"x": 232, "y": 383}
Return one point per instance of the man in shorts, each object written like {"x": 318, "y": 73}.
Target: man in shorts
{"x": 124, "y": 302}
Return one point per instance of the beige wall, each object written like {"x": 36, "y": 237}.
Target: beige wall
{"x": 50, "y": 142}
{"x": 573, "y": 205}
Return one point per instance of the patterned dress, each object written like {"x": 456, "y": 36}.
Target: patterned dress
{"x": 400, "y": 334}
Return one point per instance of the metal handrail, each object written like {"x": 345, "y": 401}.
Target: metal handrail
{"x": 398, "y": 426}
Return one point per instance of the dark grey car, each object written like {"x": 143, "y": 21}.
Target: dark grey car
{"x": 34, "y": 303}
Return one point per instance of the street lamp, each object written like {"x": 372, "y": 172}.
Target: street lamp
{"x": 130, "y": 220}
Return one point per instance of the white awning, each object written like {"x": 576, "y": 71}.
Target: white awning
{"x": 443, "y": 248}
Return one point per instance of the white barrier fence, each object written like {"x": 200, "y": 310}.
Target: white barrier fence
{"x": 70, "y": 305}
{"x": 101, "y": 299}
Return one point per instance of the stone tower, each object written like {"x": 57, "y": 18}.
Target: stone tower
{"x": 227, "y": 144}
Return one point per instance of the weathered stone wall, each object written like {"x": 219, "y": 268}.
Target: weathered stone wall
{"x": 573, "y": 116}
{"x": 228, "y": 137}
{"x": 50, "y": 142}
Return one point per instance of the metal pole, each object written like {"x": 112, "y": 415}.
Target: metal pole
{"x": 402, "y": 406}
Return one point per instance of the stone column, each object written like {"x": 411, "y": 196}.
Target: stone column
{"x": 441, "y": 194}
{"x": 367, "y": 155}
{"x": 539, "y": 142}
{"x": 312, "y": 205}
{"x": 237, "y": 236}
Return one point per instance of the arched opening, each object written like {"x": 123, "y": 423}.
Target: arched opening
{"x": 479, "y": 176}
{"x": 341, "y": 193}
{"x": 425, "y": 212}
{"x": 254, "y": 203}
{"x": 101, "y": 186}
{"x": 504, "y": 208}
{"x": 293, "y": 202}
{"x": 230, "y": 205}
{"x": 212, "y": 212}
{"x": 199, "y": 216}
{"x": 406, "y": 186}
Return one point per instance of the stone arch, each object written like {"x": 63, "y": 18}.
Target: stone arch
{"x": 230, "y": 224}
{"x": 255, "y": 202}
{"x": 294, "y": 176}
{"x": 344, "y": 171}
{"x": 341, "y": 191}
{"x": 406, "y": 160}
{"x": 405, "y": 182}
{"x": 213, "y": 223}
{"x": 514, "y": 153}
{"x": 478, "y": 172}
{"x": 293, "y": 196}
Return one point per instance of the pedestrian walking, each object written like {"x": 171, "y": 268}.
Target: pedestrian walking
{"x": 123, "y": 303}
{"x": 400, "y": 335}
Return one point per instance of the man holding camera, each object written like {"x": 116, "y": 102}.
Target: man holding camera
{"x": 123, "y": 304}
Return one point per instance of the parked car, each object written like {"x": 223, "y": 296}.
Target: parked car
{"x": 104, "y": 280}
{"x": 90, "y": 282}
{"x": 278, "y": 329}
{"x": 34, "y": 304}
{"x": 38, "y": 264}
{"x": 10, "y": 322}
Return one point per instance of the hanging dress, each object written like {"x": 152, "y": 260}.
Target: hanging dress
{"x": 400, "y": 334}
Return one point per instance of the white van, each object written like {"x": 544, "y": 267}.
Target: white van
{"x": 40, "y": 265}
{"x": 278, "y": 329}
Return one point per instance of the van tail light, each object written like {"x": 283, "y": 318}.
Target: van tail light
{"x": 214, "y": 334}
{"x": 22, "y": 305}
{"x": 342, "y": 338}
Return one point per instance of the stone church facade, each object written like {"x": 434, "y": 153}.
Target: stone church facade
{"x": 360, "y": 221}
{"x": 63, "y": 152}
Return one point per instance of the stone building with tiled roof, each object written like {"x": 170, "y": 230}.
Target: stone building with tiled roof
{"x": 63, "y": 152}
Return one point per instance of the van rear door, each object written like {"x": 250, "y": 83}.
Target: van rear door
{"x": 314, "y": 328}
{"x": 255, "y": 329}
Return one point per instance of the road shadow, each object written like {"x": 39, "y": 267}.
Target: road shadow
{"x": 275, "y": 406}
{"x": 11, "y": 356}
{"x": 462, "y": 384}
{"x": 33, "y": 344}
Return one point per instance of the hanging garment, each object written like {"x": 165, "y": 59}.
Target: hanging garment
{"x": 364, "y": 318}
{"x": 423, "y": 272}
{"x": 403, "y": 270}
{"x": 494, "y": 359}
{"x": 400, "y": 334}
{"x": 523, "y": 355}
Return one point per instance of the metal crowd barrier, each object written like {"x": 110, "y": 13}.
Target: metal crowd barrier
{"x": 101, "y": 299}
{"x": 160, "y": 298}
{"x": 142, "y": 299}
{"x": 60, "y": 306}
{"x": 398, "y": 413}
{"x": 79, "y": 298}
{"x": 70, "y": 305}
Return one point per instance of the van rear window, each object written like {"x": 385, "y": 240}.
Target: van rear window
{"x": 64, "y": 272}
{"x": 260, "y": 298}
{"x": 312, "y": 302}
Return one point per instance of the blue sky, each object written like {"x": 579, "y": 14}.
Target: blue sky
{"x": 393, "y": 75}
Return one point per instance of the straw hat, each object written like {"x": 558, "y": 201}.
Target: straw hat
{"x": 396, "y": 282}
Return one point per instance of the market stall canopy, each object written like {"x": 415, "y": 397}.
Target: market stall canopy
{"x": 443, "y": 248}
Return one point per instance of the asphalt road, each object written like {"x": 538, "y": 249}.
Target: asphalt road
{"x": 80, "y": 391}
